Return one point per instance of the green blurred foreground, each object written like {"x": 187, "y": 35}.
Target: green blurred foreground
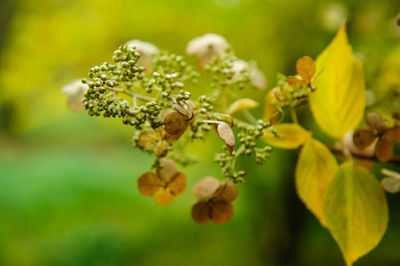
{"x": 68, "y": 192}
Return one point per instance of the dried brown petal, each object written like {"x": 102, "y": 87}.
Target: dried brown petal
{"x": 206, "y": 187}
{"x": 148, "y": 139}
{"x": 175, "y": 123}
{"x": 172, "y": 138}
{"x": 164, "y": 197}
{"x": 363, "y": 138}
{"x": 160, "y": 132}
{"x": 227, "y": 191}
{"x": 392, "y": 134}
{"x": 149, "y": 184}
{"x": 296, "y": 81}
{"x": 200, "y": 212}
{"x": 178, "y": 184}
{"x": 166, "y": 170}
{"x": 161, "y": 149}
{"x": 179, "y": 107}
{"x": 384, "y": 150}
{"x": 391, "y": 184}
{"x": 375, "y": 121}
{"x": 274, "y": 117}
{"x": 305, "y": 68}
{"x": 226, "y": 134}
{"x": 221, "y": 211}
{"x": 189, "y": 111}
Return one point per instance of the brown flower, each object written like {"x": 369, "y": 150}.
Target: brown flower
{"x": 176, "y": 122}
{"x": 214, "y": 201}
{"x": 363, "y": 138}
{"x": 166, "y": 184}
{"x": 305, "y": 68}
{"x": 156, "y": 139}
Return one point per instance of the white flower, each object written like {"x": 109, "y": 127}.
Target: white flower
{"x": 256, "y": 76}
{"x": 147, "y": 51}
{"x": 74, "y": 92}
{"x": 206, "y": 47}
{"x": 348, "y": 144}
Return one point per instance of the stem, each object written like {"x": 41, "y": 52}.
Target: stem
{"x": 134, "y": 94}
{"x": 237, "y": 154}
{"x": 293, "y": 114}
{"x": 134, "y": 102}
{"x": 235, "y": 120}
{"x": 394, "y": 159}
{"x": 249, "y": 116}
{"x": 224, "y": 99}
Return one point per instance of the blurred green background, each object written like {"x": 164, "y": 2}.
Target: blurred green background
{"x": 68, "y": 192}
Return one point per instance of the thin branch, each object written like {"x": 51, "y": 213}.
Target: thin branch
{"x": 293, "y": 115}
{"x": 132, "y": 93}
{"x": 249, "y": 116}
{"x": 394, "y": 159}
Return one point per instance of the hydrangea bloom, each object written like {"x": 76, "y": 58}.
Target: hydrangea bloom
{"x": 256, "y": 76}
{"x": 74, "y": 92}
{"x": 147, "y": 51}
{"x": 206, "y": 47}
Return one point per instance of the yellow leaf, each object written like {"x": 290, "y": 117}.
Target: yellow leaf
{"x": 242, "y": 104}
{"x": 270, "y": 108}
{"x": 339, "y": 100}
{"x": 290, "y": 136}
{"x": 355, "y": 211}
{"x": 315, "y": 170}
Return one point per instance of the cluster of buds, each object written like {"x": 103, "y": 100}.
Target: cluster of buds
{"x": 294, "y": 91}
{"x": 247, "y": 136}
{"x": 145, "y": 88}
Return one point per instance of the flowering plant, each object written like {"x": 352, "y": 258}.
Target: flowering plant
{"x": 147, "y": 89}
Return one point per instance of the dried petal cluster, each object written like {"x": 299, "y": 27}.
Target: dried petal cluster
{"x": 291, "y": 91}
{"x": 165, "y": 184}
{"x": 155, "y": 139}
{"x": 176, "y": 122}
{"x": 305, "y": 68}
{"x": 379, "y": 133}
{"x": 214, "y": 201}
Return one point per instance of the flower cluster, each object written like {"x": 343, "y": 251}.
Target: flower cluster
{"x": 146, "y": 89}
{"x": 214, "y": 200}
{"x": 292, "y": 91}
{"x": 165, "y": 184}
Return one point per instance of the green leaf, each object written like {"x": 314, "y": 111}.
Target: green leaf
{"x": 339, "y": 100}
{"x": 315, "y": 170}
{"x": 355, "y": 211}
{"x": 290, "y": 136}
